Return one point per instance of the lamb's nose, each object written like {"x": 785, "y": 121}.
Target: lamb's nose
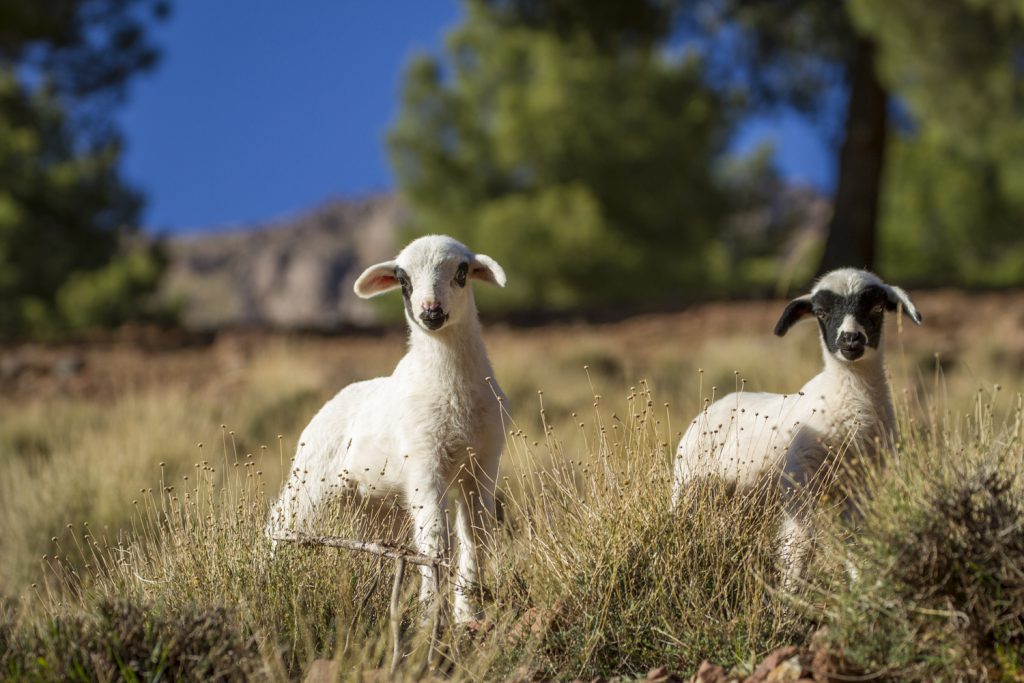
{"x": 433, "y": 316}
{"x": 851, "y": 338}
{"x": 430, "y": 305}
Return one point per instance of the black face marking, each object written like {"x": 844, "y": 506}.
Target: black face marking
{"x": 461, "y": 273}
{"x": 867, "y": 307}
{"x": 403, "y": 279}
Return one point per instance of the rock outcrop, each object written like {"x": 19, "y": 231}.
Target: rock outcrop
{"x": 295, "y": 273}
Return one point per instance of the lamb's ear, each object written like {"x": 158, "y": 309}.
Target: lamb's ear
{"x": 376, "y": 280}
{"x": 487, "y": 269}
{"x": 897, "y": 297}
{"x": 795, "y": 310}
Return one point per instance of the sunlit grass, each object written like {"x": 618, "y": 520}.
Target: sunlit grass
{"x": 149, "y": 499}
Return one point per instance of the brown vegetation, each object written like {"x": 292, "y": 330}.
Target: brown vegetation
{"x": 142, "y": 474}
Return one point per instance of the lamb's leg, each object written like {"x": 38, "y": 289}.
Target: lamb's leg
{"x": 804, "y": 479}
{"x": 693, "y": 448}
{"x": 294, "y": 506}
{"x": 474, "y": 517}
{"x": 795, "y": 546}
{"x": 428, "y": 530}
{"x": 678, "y": 482}
{"x": 680, "y": 479}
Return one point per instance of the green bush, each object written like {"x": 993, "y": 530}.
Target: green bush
{"x": 942, "y": 591}
{"x": 129, "y": 639}
{"x": 112, "y": 294}
{"x": 587, "y": 172}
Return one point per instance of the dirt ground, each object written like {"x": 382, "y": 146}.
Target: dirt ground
{"x": 138, "y": 358}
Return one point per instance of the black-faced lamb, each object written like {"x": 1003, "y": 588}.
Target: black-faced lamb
{"x": 799, "y": 440}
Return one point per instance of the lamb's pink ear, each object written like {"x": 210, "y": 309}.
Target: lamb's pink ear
{"x": 376, "y": 280}
{"x": 487, "y": 269}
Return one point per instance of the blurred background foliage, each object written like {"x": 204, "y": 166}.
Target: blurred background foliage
{"x": 67, "y": 217}
{"x": 954, "y": 189}
{"x": 585, "y": 144}
{"x": 570, "y": 147}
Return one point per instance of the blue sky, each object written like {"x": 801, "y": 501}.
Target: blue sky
{"x": 262, "y": 109}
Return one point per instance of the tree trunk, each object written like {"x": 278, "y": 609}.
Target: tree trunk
{"x": 853, "y": 229}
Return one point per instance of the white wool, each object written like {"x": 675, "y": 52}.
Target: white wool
{"x": 431, "y": 429}
{"x": 844, "y": 411}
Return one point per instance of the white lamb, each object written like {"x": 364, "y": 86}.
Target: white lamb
{"x": 433, "y": 428}
{"x": 798, "y": 441}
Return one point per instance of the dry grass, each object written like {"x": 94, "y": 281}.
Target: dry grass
{"x": 590, "y": 572}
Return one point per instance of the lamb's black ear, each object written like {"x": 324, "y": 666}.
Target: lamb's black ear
{"x": 898, "y": 297}
{"x": 796, "y": 310}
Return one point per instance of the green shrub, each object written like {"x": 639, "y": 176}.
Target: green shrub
{"x": 129, "y": 639}
{"x": 942, "y": 595}
{"x": 113, "y": 294}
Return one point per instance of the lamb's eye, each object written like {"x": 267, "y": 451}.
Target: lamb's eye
{"x": 461, "y": 273}
{"x": 821, "y": 313}
{"x": 878, "y": 309}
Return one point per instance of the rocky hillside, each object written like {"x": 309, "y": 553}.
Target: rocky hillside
{"x": 293, "y": 273}
{"x": 297, "y": 273}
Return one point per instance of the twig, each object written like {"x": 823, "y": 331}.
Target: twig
{"x": 401, "y": 556}
{"x": 394, "y": 552}
{"x": 434, "y": 654}
{"x": 396, "y": 614}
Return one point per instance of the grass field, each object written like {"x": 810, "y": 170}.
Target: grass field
{"x": 133, "y": 491}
